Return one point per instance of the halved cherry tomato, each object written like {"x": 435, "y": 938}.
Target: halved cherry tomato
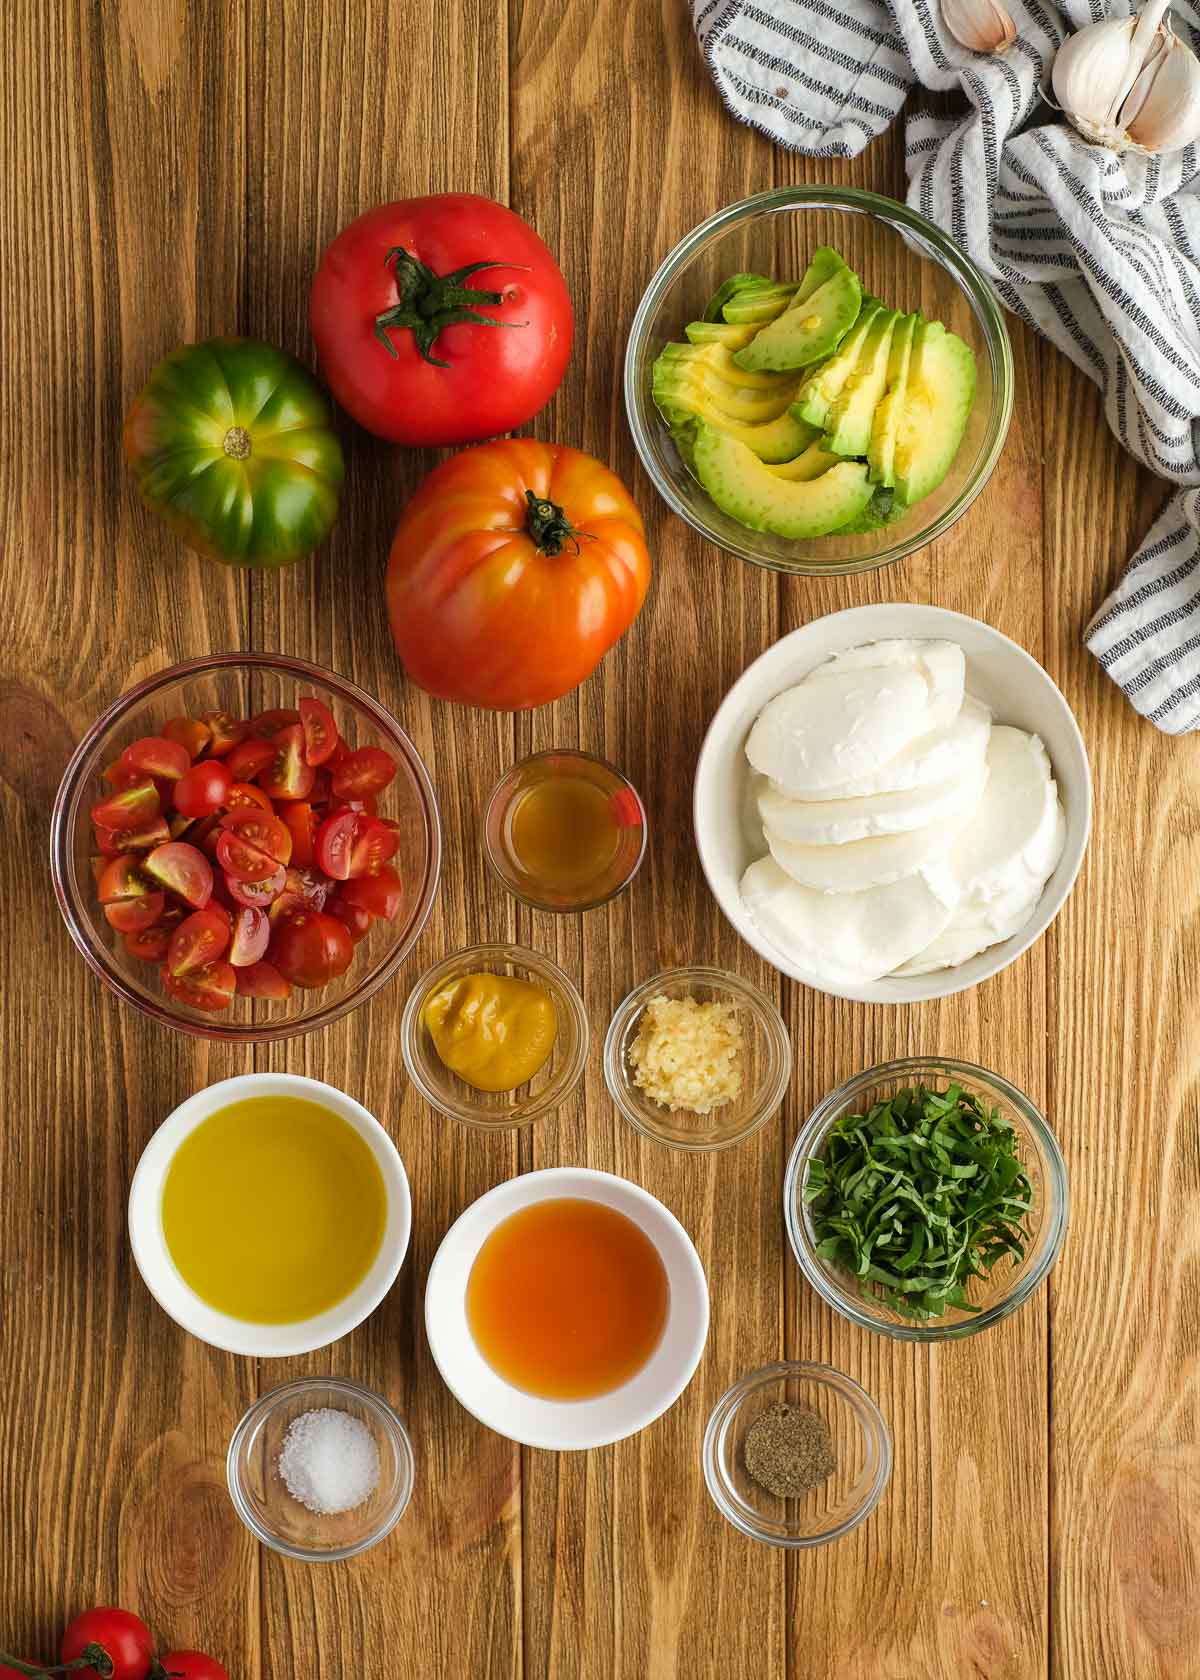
{"x": 129, "y": 807}
{"x": 365, "y": 771}
{"x": 310, "y": 948}
{"x": 288, "y": 776}
{"x": 132, "y": 915}
{"x": 155, "y": 755}
{"x": 335, "y": 844}
{"x": 192, "y": 735}
{"x": 248, "y": 758}
{"x": 210, "y": 988}
{"x": 108, "y": 841}
{"x": 152, "y": 834}
{"x": 123, "y": 878}
{"x": 201, "y": 790}
{"x": 262, "y": 831}
{"x": 268, "y": 724}
{"x": 321, "y": 790}
{"x": 198, "y": 940}
{"x": 183, "y": 870}
{"x": 301, "y": 822}
{"x": 120, "y": 775}
{"x": 353, "y": 918}
{"x": 257, "y": 894}
{"x": 263, "y": 979}
{"x": 244, "y": 794}
{"x": 225, "y": 732}
{"x": 152, "y": 944}
{"x": 374, "y": 843}
{"x": 320, "y": 731}
{"x": 251, "y": 933}
{"x": 381, "y": 894}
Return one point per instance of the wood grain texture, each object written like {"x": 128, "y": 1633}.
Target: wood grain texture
{"x": 174, "y": 169}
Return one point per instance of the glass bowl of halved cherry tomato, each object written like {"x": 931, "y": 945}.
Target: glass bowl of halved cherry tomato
{"x": 245, "y": 847}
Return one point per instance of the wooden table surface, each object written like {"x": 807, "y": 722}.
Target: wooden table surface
{"x": 173, "y": 170}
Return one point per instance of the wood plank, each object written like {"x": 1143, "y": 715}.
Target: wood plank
{"x": 350, "y": 107}
{"x": 629, "y": 1569}
{"x": 120, "y": 237}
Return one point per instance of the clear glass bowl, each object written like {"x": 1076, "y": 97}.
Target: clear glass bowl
{"x": 766, "y": 1065}
{"x": 1008, "y": 1286}
{"x": 861, "y": 1443}
{"x": 497, "y": 1110}
{"x": 530, "y": 773}
{"x": 243, "y": 684}
{"x": 900, "y": 257}
{"x": 260, "y": 1495}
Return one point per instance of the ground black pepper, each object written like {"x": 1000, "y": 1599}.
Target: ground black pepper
{"x": 788, "y": 1450}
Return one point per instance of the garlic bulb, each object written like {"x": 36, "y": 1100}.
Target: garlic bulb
{"x": 1130, "y": 83}
{"x": 979, "y": 25}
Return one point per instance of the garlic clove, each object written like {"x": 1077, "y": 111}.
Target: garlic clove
{"x": 1136, "y": 97}
{"x": 1142, "y": 46}
{"x": 979, "y": 25}
{"x": 1166, "y": 114}
{"x": 1090, "y": 69}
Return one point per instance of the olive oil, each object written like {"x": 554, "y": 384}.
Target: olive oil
{"x": 274, "y": 1209}
{"x": 567, "y": 1299}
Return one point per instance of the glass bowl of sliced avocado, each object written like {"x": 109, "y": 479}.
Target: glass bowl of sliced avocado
{"x": 819, "y": 380}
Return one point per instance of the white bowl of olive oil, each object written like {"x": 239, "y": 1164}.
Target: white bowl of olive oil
{"x": 269, "y": 1214}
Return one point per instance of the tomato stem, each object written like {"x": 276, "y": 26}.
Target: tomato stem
{"x": 549, "y": 526}
{"x": 428, "y": 302}
{"x": 23, "y": 1668}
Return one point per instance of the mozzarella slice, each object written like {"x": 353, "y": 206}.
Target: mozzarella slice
{"x": 838, "y": 822}
{"x": 1004, "y": 858}
{"x": 855, "y": 713}
{"x": 847, "y": 938}
{"x": 938, "y": 756}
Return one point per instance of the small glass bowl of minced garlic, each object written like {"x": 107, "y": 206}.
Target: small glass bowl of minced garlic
{"x": 697, "y": 1058}
{"x": 796, "y": 1454}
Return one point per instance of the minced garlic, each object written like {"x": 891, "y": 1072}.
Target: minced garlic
{"x": 688, "y": 1054}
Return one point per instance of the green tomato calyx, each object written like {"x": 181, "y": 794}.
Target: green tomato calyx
{"x": 427, "y": 302}
{"x": 549, "y": 526}
{"x": 237, "y": 443}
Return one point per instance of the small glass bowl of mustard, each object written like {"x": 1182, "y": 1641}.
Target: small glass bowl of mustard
{"x": 564, "y": 830}
{"x": 764, "y": 1061}
{"x": 482, "y": 1026}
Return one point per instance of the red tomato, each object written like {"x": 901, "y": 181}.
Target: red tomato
{"x": 381, "y": 894}
{"x": 248, "y": 758}
{"x": 209, "y": 988}
{"x": 131, "y": 901}
{"x": 310, "y": 948}
{"x": 355, "y": 920}
{"x": 133, "y": 915}
{"x": 108, "y": 841}
{"x": 255, "y": 831}
{"x": 320, "y": 731}
{"x": 257, "y": 894}
{"x": 268, "y": 724}
{"x": 242, "y": 794}
{"x": 225, "y": 731}
{"x": 251, "y": 931}
{"x": 183, "y": 870}
{"x": 441, "y": 320}
{"x": 301, "y": 822}
{"x": 129, "y": 807}
{"x": 363, "y": 773}
{"x": 120, "y": 775}
{"x": 118, "y": 1635}
{"x": 150, "y": 834}
{"x": 514, "y": 569}
{"x": 194, "y": 1665}
{"x": 335, "y": 843}
{"x": 202, "y": 790}
{"x": 263, "y": 979}
{"x": 192, "y": 735}
{"x": 288, "y": 776}
{"x": 155, "y": 755}
{"x": 374, "y": 843}
{"x": 152, "y": 944}
{"x": 198, "y": 940}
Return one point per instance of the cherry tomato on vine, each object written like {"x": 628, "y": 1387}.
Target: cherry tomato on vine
{"x": 192, "y": 1665}
{"x": 108, "y": 1632}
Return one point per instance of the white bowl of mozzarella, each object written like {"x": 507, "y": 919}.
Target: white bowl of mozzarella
{"x": 892, "y": 803}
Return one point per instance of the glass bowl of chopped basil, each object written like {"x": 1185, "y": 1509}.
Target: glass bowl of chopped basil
{"x": 926, "y": 1199}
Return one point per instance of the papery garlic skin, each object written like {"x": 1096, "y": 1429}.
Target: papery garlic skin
{"x": 1167, "y": 115}
{"x": 979, "y": 25}
{"x": 1130, "y": 84}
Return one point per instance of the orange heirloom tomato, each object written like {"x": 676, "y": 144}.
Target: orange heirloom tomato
{"x": 514, "y": 569}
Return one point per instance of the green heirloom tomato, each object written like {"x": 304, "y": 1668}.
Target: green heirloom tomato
{"x": 232, "y": 444}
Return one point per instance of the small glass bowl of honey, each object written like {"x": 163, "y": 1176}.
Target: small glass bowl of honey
{"x": 564, "y": 830}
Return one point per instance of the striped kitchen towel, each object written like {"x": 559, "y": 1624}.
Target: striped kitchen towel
{"x": 1095, "y": 250}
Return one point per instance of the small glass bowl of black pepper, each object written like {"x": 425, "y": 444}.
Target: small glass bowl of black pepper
{"x": 796, "y": 1454}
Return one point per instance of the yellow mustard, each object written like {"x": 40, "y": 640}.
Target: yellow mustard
{"x": 490, "y": 1029}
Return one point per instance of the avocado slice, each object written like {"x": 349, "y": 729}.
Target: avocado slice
{"x": 729, "y": 288}
{"x": 938, "y": 397}
{"x": 749, "y": 492}
{"x": 719, "y": 332}
{"x": 808, "y": 331}
{"x": 848, "y": 424}
{"x": 823, "y": 266}
{"x": 810, "y": 463}
{"x": 884, "y": 508}
{"x": 676, "y": 386}
{"x": 759, "y": 303}
{"x": 782, "y": 439}
{"x": 717, "y": 361}
{"x": 823, "y": 385}
{"x": 881, "y": 448}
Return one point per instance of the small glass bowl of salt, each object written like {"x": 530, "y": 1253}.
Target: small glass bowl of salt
{"x": 320, "y": 1469}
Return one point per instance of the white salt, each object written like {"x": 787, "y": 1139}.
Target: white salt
{"x": 329, "y": 1461}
